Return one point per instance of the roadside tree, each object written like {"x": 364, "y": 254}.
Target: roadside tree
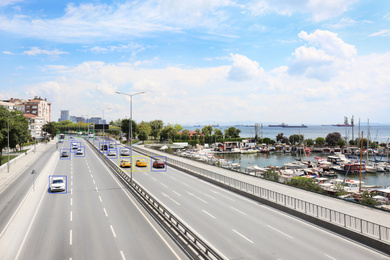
{"x": 207, "y": 130}
{"x": 51, "y": 128}
{"x": 320, "y": 141}
{"x": 125, "y": 127}
{"x": 296, "y": 138}
{"x": 144, "y": 131}
{"x": 309, "y": 142}
{"x": 157, "y": 126}
{"x": 232, "y": 132}
{"x": 281, "y": 138}
{"x": 333, "y": 138}
{"x": 341, "y": 143}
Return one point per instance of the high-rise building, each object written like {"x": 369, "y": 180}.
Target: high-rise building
{"x": 64, "y": 115}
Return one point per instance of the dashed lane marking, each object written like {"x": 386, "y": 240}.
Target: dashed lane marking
{"x": 70, "y": 237}
{"x": 100, "y": 198}
{"x": 238, "y": 211}
{"x": 105, "y": 212}
{"x": 123, "y": 256}
{"x": 208, "y": 214}
{"x": 241, "y": 235}
{"x": 279, "y": 231}
{"x": 113, "y": 232}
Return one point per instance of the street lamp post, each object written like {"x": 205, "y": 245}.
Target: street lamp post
{"x": 103, "y": 119}
{"x": 131, "y": 129}
{"x": 8, "y": 139}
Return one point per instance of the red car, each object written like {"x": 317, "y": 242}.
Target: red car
{"x": 158, "y": 164}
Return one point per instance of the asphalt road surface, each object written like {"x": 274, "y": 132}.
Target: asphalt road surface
{"x": 96, "y": 218}
{"x": 240, "y": 228}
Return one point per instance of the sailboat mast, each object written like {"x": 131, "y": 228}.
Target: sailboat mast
{"x": 360, "y": 167}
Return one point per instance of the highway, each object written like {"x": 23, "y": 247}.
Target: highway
{"x": 240, "y": 228}
{"x": 97, "y": 218}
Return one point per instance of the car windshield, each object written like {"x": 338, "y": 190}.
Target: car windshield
{"x": 57, "y": 181}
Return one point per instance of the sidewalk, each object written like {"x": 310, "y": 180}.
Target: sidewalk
{"x": 19, "y": 164}
{"x": 370, "y": 214}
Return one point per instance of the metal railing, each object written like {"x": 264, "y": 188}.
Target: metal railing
{"x": 343, "y": 220}
{"x": 203, "y": 250}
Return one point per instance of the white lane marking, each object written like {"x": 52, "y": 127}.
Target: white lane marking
{"x": 123, "y": 256}
{"x": 94, "y": 182}
{"x": 239, "y": 211}
{"x": 71, "y": 190}
{"x": 105, "y": 212}
{"x": 166, "y": 195}
{"x": 32, "y": 220}
{"x": 172, "y": 177}
{"x": 164, "y": 185}
{"x": 71, "y": 176}
{"x": 100, "y": 198}
{"x": 193, "y": 195}
{"x": 71, "y": 201}
{"x": 176, "y": 193}
{"x": 96, "y": 189}
{"x": 238, "y": 233}
{"x": 70, "y": 237}
{"x": 210, "y": 196}
{"x": 91, "y": 175}
{"x": 330, "y": 257}
{"x": 71, "y": 216}
{"x": 279, "y": 231}
{"x": 113, "y": 232}
{"x": 71, "y": 183}
{"x": 185, "y": 184}
{"x": 208, "y": 214}
{"x": 154, "y": 178}
{"x": 216, "y": 192}
{"x": 139, "y": 210}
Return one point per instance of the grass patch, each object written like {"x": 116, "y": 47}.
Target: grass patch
{"x": 4, "y": 158}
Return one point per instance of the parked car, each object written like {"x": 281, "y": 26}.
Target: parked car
{"x": 158, "y": 164}
{"x": 57, "y": 184}
{"x": 64, "y": 154}
{"x": 125, "y": 163}
{"x": 141, "y": 163}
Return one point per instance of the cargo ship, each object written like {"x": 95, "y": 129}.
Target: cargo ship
{"x": 288, "y": 126}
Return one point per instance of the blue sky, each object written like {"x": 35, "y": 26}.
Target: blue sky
{"x": 292, "y": 61}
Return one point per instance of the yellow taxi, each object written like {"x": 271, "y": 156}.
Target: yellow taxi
{"x": 125, "y": 163}
{"x": 141, "y": 163}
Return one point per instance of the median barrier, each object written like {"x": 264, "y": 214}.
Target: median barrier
{"x": 186, "y": 237}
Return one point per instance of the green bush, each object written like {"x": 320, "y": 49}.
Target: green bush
{"x": 305, "y": 183}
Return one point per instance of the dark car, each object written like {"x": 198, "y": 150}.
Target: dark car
{"x": 158, "y": 164}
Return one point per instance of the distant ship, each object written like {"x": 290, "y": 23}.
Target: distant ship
{"x": 344, "y": 125}
{"x": 289, "y": 126}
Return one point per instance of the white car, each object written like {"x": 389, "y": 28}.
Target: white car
{"x": 74, "y": 146}
{"x": 112, "y": 153}
{"x": 57, "y": 184}
{"x": 125, "y": 152}
{"x": 79, "y": 152}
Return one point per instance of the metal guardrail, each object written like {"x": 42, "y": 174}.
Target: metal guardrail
{"x": 343, "y": 220}
{"x": 197, "y": 245}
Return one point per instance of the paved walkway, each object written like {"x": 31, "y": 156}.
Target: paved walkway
{"x": 367, "y": 213}
{"x": 19, "y": 164}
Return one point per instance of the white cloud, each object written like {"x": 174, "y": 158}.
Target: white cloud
{"x": 387, "y": 17}
{"x": 324, "y": 58}
{"x": 174, "y": 94}
{"x": 243, "y": 68}
{"x": 382, "y": 33}
{"x": 37, "y": 51}
{"x": 9, "y": 2}
{"x": 119, "y": 21}
{"x": 320, "y": 10}
{"x": 8, "y": 52}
